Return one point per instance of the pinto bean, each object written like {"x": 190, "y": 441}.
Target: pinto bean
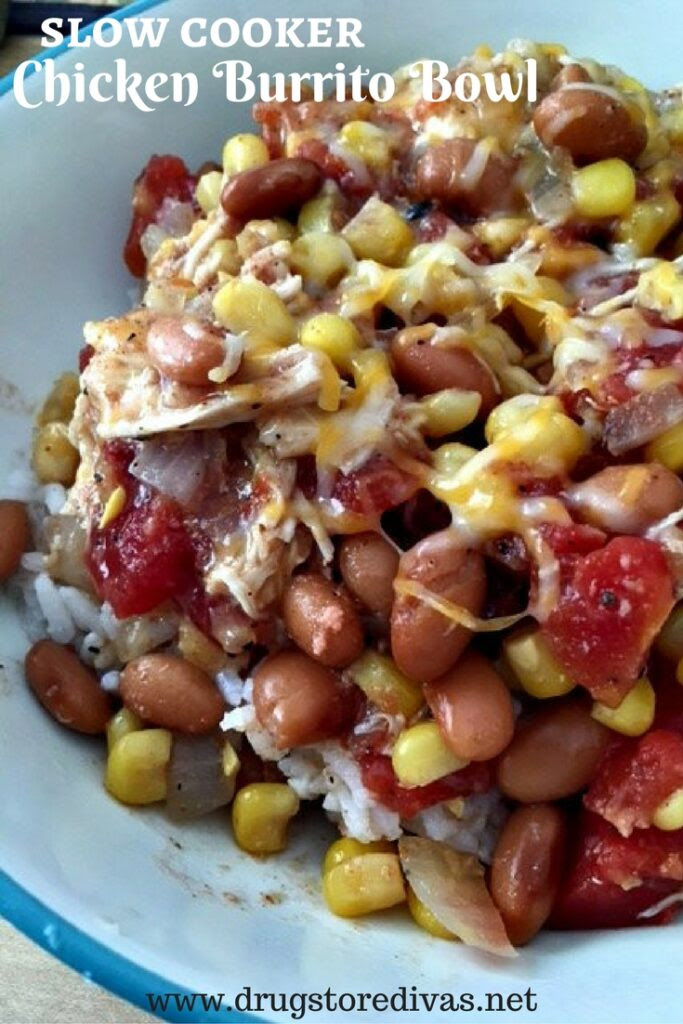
{"x": 322, "y": 620}
{"x": 590, "y": 124}
{"x": 423, "y": 367}
{"x": 185, "y": 349}
{"x": 66, "y": 688}
{"x": 627, "y": 499}
{"x": 424, "y": 643}
{"x": 368, "y": 564}
{"x": 276, "y": 188}
{"x": 172, "y": 693}
{"x": 298, "y": 700}
{"x": 553, "y": 755}
{"x": 473, "y": 708}
{"x": 527, "y": 869}
{"x": 463, "y": 173}
{"x": 15, "y": 534}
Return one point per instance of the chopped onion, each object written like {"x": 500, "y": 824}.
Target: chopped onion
{"x": 197, "y": 783}
{"x": 642, "y": 418}
{"x": 451, "y": 885}
{"x": 66, "y": 540}
{"x": 658, "y": 336}
{"x": 176, "y": 467}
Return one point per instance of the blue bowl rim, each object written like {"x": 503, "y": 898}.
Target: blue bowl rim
{"x": 86, "y": 955}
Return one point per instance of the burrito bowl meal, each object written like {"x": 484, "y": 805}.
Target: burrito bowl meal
{"x": 374, "y": 500}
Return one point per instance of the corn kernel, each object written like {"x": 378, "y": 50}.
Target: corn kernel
{"x": 208, "y": 191}
{"x": 120, "y": 724}
{"x": 243, "y": 153}
{"x": 261, "y": 812}
{"x": 420, "y": 755}
{"x": 670, "y": 639}
{"x": 199, "y": 649}
{"x": 536, "y": 430}
{"x": 322, "y": 259}
{"x": 379, "y": 233}
{"x": 668, "y": 449}
{"x": 634, "y": 715}
{"x": 661, "y": 289}
{"x": 329, "y": 396}
{"x": 55, "y": 460}
{"x": 648, "y": 222}
{"x": 113, "y": 507}
{"x": 534, "y": 665}
{"x": 364, "y": 884}
{"x": 136, "y": 766}
{"x": 604, "y": 189}
{"x": 230, "y": 762}
{"x": 385, "y": 686}
{"x": 500, "y": 234}
{"x": 252, "y": 308}
{"x": 59, "y": 404}
{"x": 447, "y": 460}
{"x": 367, "y": 142}
{"x": 448, "y": 411}
{"x": 225, "y": 253}
{"x": 669, "y": 815}
{"x": 559, "y": 261}
{"x": 336, "y": 337}
{"x": 423, "y": 917}
{"x": 345, "y": 848}
{"x": 317, "y": 215}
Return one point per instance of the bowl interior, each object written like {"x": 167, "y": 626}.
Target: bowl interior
{"x": 182, "y": 901}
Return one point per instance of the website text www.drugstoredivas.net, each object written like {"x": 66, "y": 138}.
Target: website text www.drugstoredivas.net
{"x": 120, "y": 83}
{"x": 302, "y": 1005}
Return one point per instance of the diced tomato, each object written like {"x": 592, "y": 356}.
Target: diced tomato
{"x": 570, "y": 544}
{"x": 164, "y": 177}
{"x": 635, "y": 778}
{"x": 613, "y": 391}
{"x": 376, "y": 486}
{"x": 614, "y": 605}
{"x": 146, "y": 555}
{"x": 319, "y": 152}
{"x": 379, "y": 777}
{"x": 591, "y": 896}
{"x": 648, "y": 854}
{"x": 84, "y": 357}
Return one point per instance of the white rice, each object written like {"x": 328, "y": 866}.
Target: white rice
{"x": 329, "y": 771}
{"x": 324, "y": 771}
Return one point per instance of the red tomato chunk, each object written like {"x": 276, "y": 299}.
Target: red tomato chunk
{"x": 378, "y": 776}
{"x": 164, "y": 177}
{"x": 635, "y": 778}
{"x": 145, "y": 556}
{"x": 613, "y": 880}
{"x": 613, "y": 607}
{"x": 374, "y": 487}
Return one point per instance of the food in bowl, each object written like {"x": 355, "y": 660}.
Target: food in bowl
{"x": 374, "y": 501}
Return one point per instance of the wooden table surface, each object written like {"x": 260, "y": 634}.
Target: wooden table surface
{"x": 34, "y": 987}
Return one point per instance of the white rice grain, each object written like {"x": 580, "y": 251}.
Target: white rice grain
{"x": 54, "y": 497}
{"x": 82, "y": 609}
{"x": 33, "y": 561}
{"x": 60, "y": 625}
{"x": 110, "y": 681}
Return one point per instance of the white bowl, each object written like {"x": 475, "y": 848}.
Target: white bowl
{"x": 136, "y": 903}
